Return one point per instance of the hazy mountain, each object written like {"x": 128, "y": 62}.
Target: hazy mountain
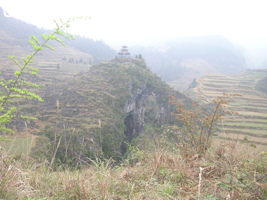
{"x": 256, "y": 52}
{"x": 186, "y": 58}
{"x": 15, "y": 35}
{"x": 98, "y": 49}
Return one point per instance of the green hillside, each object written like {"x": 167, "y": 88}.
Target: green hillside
{"x": 100, "y": 109}
{"x": 251, "y": 106}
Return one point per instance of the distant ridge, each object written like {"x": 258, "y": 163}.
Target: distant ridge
{"x": 259, "y": 70}
{"x": 16, "y": 32}
{"x": 180, "y": 61}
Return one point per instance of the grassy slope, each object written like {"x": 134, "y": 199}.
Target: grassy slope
{"x": 251, "y": 106}
{"x": 161, "y": 172}
{"x": 96, "y": 92}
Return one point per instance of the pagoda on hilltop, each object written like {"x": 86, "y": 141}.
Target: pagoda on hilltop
{"x": 124, "y": 53}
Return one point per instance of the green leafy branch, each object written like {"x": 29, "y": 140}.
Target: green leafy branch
{"x": 16, "y": 87}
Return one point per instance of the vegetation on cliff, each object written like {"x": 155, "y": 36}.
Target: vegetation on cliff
{"x": 91, "y": 109}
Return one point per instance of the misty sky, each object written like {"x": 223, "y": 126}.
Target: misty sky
{"x": 146, "y": 21}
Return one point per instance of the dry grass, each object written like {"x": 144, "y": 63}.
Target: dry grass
{"x": 227, "y": 173}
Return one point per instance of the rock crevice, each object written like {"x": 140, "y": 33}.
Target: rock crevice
{"x": 135, "y": 108}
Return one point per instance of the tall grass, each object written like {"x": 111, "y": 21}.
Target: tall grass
{"x": 160, "y": 173}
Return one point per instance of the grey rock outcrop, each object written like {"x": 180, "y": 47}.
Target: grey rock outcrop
{"x": 135, "y": 108}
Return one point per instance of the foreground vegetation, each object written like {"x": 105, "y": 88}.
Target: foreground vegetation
{"x": 160, "y": 171}
{"x": 179, "y": 163}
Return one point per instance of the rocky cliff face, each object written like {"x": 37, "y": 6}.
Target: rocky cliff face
{"x": 135, "y": 108}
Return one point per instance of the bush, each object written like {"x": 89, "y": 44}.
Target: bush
{"x": 198, "y": 123}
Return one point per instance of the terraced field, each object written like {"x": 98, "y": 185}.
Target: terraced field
{"x": 70, "y": 60}
{"x": 251, "y": 122}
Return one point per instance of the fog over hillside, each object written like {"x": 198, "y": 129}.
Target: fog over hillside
{"x": 148, "y": 22}
{"x": 256, "y": 52}
{"x": 178, "y": 42}
{"x": 187, "y": 58}
{"x": 20, "y": 31}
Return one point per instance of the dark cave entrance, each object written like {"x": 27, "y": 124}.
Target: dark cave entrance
{"x": 145, "y": 114}
{"x": 129, "y": 123}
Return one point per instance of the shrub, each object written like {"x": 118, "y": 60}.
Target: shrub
{"x": 198, "y": 123}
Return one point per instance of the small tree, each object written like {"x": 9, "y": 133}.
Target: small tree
{"x": 198, "y": 123}
{"x": 18, "y": 87}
